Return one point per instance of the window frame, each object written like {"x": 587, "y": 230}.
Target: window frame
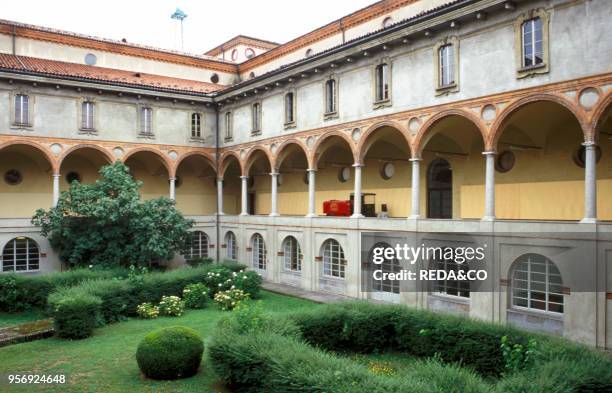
{"x": 197, "y": 130}
{"x": 442, "y": 88}
{"x": 259, "y": 252}
{"x": 13, "y": 109}
{"x": 229, "y": 126}
{"x": 333, "y": 259}
{"x": 441, "y": 287}
{"x": 29, "y": 242}
{"x": 523, "y": 71}
{"x": 231, "y": 245}
{"x": 330, "y": 111}
{"x": 548, "y": 264}
{"x": 143, "y": 121}
{"x": 293, "y": 257}
{"x": 380, "y": 99}
{"x": 290, "y": 122}
{"x": 256, "y": 119}
{"x": 201, "y": 245}
{"x": 87, "y": 128}
{"x": 387, "y": 266}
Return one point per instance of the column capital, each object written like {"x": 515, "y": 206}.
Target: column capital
{"x": 244, "y": 177}
{"x": 311, "y": 170}
{"x": 274, "y": 173}
{"x": 415, "y": 159}
{"x": 219, "y": 179}
{"x": 56, "y": 175}
{"x": 489, "y": 153}
{"x": 357, "y": 165}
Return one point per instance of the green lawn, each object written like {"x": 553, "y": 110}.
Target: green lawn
{"x": 9, "y": 319}
{"x": 106, "y": 362}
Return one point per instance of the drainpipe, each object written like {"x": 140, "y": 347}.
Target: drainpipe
{"x": 217, "y": 224}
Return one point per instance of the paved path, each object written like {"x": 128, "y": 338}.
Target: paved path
{"x": 319, "y": 297}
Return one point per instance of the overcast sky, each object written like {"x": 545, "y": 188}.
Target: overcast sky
{"x": 208, "y": 24}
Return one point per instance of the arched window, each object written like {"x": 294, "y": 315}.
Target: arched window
{"x": 196, "y": 125}
{"x": 439, "y": 190}
{"x": 388, "y": 266}
{"x": 196, "y": 246}
{"x": 334, "y": 263}
{"x": 259, "y": 252}
{"x": 536, "y": 284}
{"x": 20, "y": 254}
{"x": 533, "y": 42}
{"x": 459, "y": 288}
{"x": 232, "y": 248}
{"x": 292, "y": 254}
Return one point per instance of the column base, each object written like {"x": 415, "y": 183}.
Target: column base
{"x": 220, "y": 214}
{"x": 244, "y": 214}
{"x": 311, "y": 215}
{"x": 488, "y": 218}
{"x": 273, "y": 214}
{"x": 414, "y": 217}
{"x": 357, "y": 216}
{"x": 588, "y": 220}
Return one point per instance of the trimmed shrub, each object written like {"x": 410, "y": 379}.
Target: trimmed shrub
{"x": 196, "y": 262}
{"x": 196, "y": 295}
{"x": 170, "y": 353}
{"x": 171, "y": 306}
{"x": 229, "y": 299}
{"x": 75, "y": 316}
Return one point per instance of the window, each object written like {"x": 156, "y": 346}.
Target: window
{"x": 87, "y": 115}
{"x": 533, "y": 42}
{"x": 459, "y": 288}
{"x": 256, "y": 118}
{"x": 228, "y": 126}
{"x": 388, "y": 21}
{"x": 388, "y": 266}
{"x": 196, "y": 125}
{"x": 536, "y": 284}
{"x": 235, "y": 55}
{"x": 308, "y": 52}
{"x": 20, "y": 254}
{"x": 292, "y": 254}
{"x": 331, "y": 96}
{"x": 289, "y": 108}
{"x": 382, "y": 82}
{"x": 12, "y": 177}
{"x": 333, "y": 259}
{"x": 259, "y": 252}
{"x": 146, "y": 124}
{"x": 232, "y": 248}
{"x": 22, "y": 109}
{"x": 196, "y": 246}
{"x": 446, "y": 58}
{"x": 249, "y": 53}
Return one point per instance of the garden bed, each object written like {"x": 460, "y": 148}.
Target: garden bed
{"x": 28, "y": 331}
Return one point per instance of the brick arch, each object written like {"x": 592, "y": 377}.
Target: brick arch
{"x": 165, "y": 160}
{"x": 102, "y": 150}
{"x": 597, "y": 115}
{"x": 363, "y": 146}
{"x": 417, "y": 143}
{"x": 499, "y": 124}
{"x": 224, "y": 163}
{"x": 209, "y": 159}
{"x": 313, "y": 159}
{"x": 278, "y": 157}
{"x": 251, "y": 153}
{"x": 53, "y": 162}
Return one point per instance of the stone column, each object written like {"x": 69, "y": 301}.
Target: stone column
{"x": 274, "y": 206}
{"x": 220, "y": 197}
{"x": 489, "y": 210}
{"x": 56, "y": 188}
{"x": 590, "y": 182}
{"x": 357, "y": 191}
{"x": 244, "y": 211}
{"x": 172, "y": 188}
{"x": 415, "y": 212}
{"x": 312, "y": 209}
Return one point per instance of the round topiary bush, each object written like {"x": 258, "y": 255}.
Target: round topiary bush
{"x": 170, "y": 353}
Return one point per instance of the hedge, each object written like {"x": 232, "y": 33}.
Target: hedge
{"x": 20, "y": 292}
{"x": 120, "y": 298}
{"x": 458, "y": 354}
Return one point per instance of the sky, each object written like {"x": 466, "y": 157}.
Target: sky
{"x": 208, "y": 24}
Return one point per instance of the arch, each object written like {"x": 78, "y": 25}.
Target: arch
{"x": 497, "y": 129}
{"x": 22, "y": 253}
{"x": 259, "y": 252}
{"x": 224, "y": 163}
{"x": 439, "y": 189}
{"x": 292, "y": 254}
{"x": 196, "y": 245}
{"x": 53, "y": 163}
{"x": 536, "y": 283}
{"x": 389, "y": 265}
{"x": 597, "y": 116}
{"x": 248, "y": 162}
{"x": 231, "y": 245}
{"x": 334, "y": 262}
{"x": 165, "y": 160}
{"x": 420, "y": 139}
{"x": 102, "y": 150}
{"x": 279, "y": 157}
{"x": 314, "y": 155}
{"x": 210, "y": 160}
{"x": 363, "y": 146}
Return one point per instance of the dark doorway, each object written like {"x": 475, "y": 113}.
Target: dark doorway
{"x": 251, "y": 203}
{"x": 439, "y": 189}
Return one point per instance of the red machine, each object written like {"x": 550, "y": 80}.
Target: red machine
{"x": 336, "y": 207}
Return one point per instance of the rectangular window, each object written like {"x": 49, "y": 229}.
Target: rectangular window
{"x": 22, "y": 109}
{"x": 446, "y": 57}
{"x": 533, "y": 46}
{"x": 289, "y": 102}
{"x": 196, "y": 125}
{"x": 330, "y": 96}
{"x": 382, "y": 82}
{"x": 228, "y": 125}
{"x": 146, "y": 123}
{"x": 87, "y": 115}
{"x": 256, "y": 117}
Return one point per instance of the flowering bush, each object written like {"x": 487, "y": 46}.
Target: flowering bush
{"x": 147, "y": 311}
{"x": 172, "y": 306}
{"x": 195, "y": 295}
{"x": 230, "y": 298}
{"x": 249, "y": 282}
{"x": 218, "y": 279}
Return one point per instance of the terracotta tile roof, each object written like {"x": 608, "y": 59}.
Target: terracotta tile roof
{"x": 106, "y": 75}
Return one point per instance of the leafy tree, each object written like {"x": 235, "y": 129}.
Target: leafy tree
{"x": 107, "y": 224}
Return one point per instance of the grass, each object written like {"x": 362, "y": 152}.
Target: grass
{"x": 10, "y": 319}
{"x": 106, "y": 362}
